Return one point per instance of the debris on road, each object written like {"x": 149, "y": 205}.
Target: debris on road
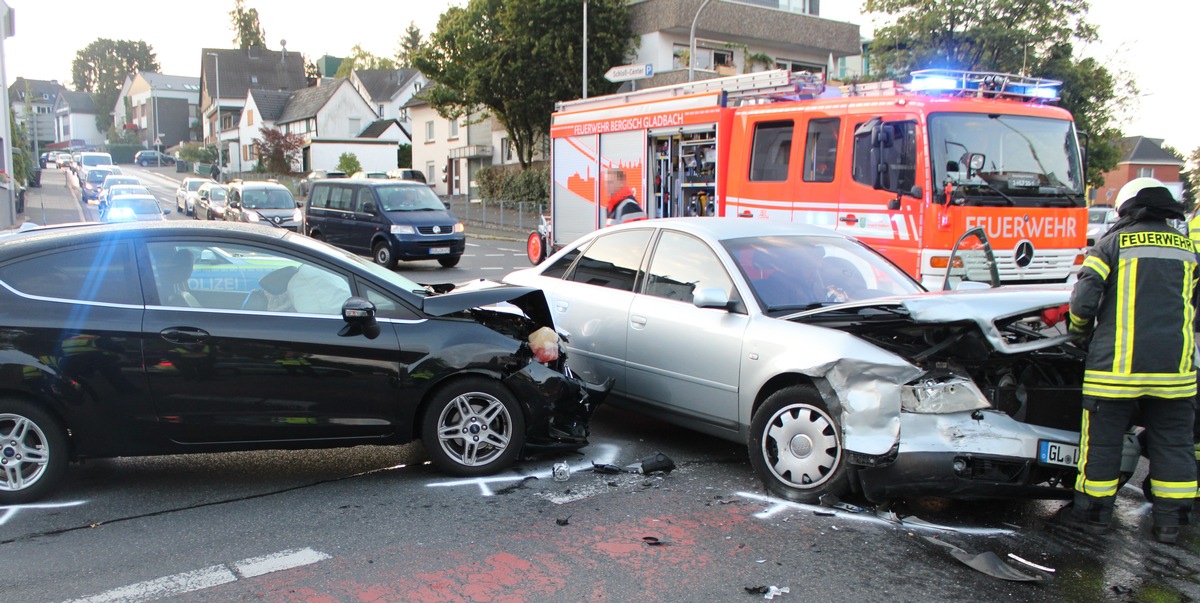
{"x": 657, "y": 462}
{"x": 768, "y": 592}
{"x": 987, "y": 562}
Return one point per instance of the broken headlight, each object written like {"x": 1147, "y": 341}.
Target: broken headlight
{"x": 941, "y": 395}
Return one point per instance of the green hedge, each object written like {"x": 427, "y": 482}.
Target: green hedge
{"x": 123, "y": 153}
{"x": 505, "y": 183}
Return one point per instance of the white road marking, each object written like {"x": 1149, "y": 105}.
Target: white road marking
{"x": 607, "y": 453}
{"x": 472, "y": 244}
{"x": 216, "y": 575}
{"x": 6, "y": 513}
{"x": 493, "y": 255}
{"x": 494, "y": 268}
{"x": 779, "y": 505}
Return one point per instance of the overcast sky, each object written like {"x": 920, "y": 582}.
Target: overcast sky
{"x": 1148, "y": 42}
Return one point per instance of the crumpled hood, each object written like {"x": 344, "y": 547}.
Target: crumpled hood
{"x": 530, "y": 300}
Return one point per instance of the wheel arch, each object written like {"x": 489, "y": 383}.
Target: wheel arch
{"x": 784, "y": 380}
{"x": 446, "y": 381}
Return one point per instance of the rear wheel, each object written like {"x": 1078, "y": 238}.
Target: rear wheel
{"x": 383, "y": 255}
{"x": 535, "y": 249}
{"x": 449, "y": 262}
{"x": 473, "y": 427}
{"x": 33, "y": 452}
{"x": 796, "y": 446}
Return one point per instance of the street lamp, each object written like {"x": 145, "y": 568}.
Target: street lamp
{"x": 692, "y": 43}
{"x": 217, "y": 60}
{"x": 155, "y": 129}
{"x": 585, "y": 5}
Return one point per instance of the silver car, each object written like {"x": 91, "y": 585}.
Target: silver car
{"x": 1100, "y": 219}
{"x": 838, "y": 371}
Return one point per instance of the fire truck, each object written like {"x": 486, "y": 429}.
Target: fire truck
{"x": 906, "y": 169}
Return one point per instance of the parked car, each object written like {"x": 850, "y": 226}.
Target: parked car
{"x": 149, "y": 158}
{"x": 210, "y": 201}
{"x": 839, "y": 371}
{"x": 89, "y": 185}
{"x": 1100, "y": 219}
{"x": 121, "y": 189}
{"x": 263, "y": 201}
{"x": 387, "y": 219}
{"x": 63, "y": 160}
{"x": 407, "y": 174}
{"x": 133, "y": 208}
{"x": 47, "y": 158}
{"x": 185, "y": 195}
{"x": 111, "y": 357}
{"x": 363, "y": 175}
{"x": 313, "y": 176}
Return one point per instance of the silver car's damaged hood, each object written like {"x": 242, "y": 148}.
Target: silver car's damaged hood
{"x": 868, "y": 378}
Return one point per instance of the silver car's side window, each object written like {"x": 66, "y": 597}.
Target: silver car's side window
{"x": 681, "y": 265}
{"x": 613, "y": 260}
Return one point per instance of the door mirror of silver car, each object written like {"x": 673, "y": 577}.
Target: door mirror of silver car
{"x": 711, "y": 297}
{"x": 359, "y": 315}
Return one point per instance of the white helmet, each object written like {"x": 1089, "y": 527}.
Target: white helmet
{"x": 1132, "y": 188}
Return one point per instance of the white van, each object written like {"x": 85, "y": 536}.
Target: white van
{"x": 90, "y": 160}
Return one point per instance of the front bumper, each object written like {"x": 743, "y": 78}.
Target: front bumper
{"x": 960, "y": 456}
{"x": 558, "y": 407}
{"x": 420, "y": 247}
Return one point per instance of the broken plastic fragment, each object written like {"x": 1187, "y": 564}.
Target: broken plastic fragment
{"x": 834, "y": 502}
{"x": 606, "y": 469}
{"x": 775, "y": 591}
{"x": 986, "y": 562}
{"x": 657, "y": 462}
{"x": 562, "y": 472}
{"x": 1031, "y": 564}
{"x": 563, "y": 521}
{"x": 652, "y": 541}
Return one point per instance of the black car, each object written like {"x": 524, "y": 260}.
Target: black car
{"x": 165, "y": 338}
{"x": 149, "y": 158}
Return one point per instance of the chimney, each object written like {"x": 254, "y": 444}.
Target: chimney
{"x": 253, "y": 51}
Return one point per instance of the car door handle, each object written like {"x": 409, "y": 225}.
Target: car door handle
{"x": 639, "y": 322}
{"x": 849, "y": 219}
{"x": 560, "y": 306}
{"x": 183, "y": 334}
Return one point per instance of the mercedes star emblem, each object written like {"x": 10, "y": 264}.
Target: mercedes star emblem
{"x": 1024, "y": 254}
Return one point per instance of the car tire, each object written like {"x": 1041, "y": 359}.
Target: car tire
{"x": 449, "y": 262}
{"x": 383, "y": 255}
{"x": 795, "y": 446}
{"x": 473, "y": 427}
{"x": 27, "y": 431}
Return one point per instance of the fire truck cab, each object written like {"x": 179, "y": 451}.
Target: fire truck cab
{"x": 905, "y": 169}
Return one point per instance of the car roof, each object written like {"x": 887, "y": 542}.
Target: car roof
{"x": 258, "y": 184}
{"x": 50, "y": 238}
{"x": 730, "y": 228}
{"x": 133, "y": 196}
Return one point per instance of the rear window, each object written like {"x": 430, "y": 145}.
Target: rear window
{"x": 99, "y": 159}
{"x": 96, "y": 274}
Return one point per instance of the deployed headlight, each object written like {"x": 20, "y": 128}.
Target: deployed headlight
{"x": 458, "y": 227}
{"x": 251, "y": 216}
{"x": 402, "y": 229}
{"x": 941, "y": 395}
{"x": 297, "y": 216}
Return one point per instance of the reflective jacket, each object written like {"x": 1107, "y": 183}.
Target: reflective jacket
{"x": 1194, "y": 228}
{"x": 1139, "y": 284}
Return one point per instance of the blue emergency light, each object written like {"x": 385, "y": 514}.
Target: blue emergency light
{"x": 983, "y": 83}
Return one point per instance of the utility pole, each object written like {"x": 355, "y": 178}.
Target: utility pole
{"x": 218, "y": 101}
{"x": 585, "y": 49}
{"x": 692, "y": 43}
{"x": 8, "y": 214}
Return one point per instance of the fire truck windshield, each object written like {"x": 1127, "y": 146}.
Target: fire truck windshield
{"x": 1011, "y": 158}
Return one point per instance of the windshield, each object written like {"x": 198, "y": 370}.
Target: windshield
{"x": 138, "y": 205}
{"x": 128, "y": 189}
{"x": 195, "y": 184}
{"x": 96, "y": 160}
{"x": 402, "y": 197}
{"x": 391, "y": 277}
{"x": 790, "y": 273}
{"x": 111, "y": 181}
{"x": 268, "y": 199}
{"x": 97, "y": 176}
{"x": 1023, "y": 157}
{"x": 216, "y": 194}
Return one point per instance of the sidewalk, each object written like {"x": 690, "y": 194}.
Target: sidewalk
{"x": 54, "y": 202}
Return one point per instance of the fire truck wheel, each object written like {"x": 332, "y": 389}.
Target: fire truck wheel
{"x": 535, "y": 248}
{"x": 796, "y": 446}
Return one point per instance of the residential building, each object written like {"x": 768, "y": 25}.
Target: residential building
{"x": 729, "y": 35}
{"x": 162, "y": 109}
{"x": 33, "y": 107}
{"x": 1140, "y": 157}
{"x": 75, "y": 121}
{"x": 388, "y": 90}
{"x": 226, "y": 78}
{"x": 261, "y": 109}
{"x": 334, "y": 118}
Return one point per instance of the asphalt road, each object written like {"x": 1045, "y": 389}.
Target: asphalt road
{"x": 380, "y": 524}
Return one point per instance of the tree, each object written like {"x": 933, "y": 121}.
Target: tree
{"x": 312, "y": 72}
{"x": 410, "y": 43}
{"x": 279, "y": 150}
{"x": 1189, "y": 176}
{"x": 22, "y": 158}
{"x": 514, "y": 59}
{"x": 361, "y": 59}
{"x": 1015, "y": 36}
{"x": 247, "y": 31}
{"x": 101, "y": 68}
{"x": 348, "y": 164}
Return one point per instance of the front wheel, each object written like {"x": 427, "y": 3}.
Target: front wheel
{"x": 473, "y": 427}
{"x": 383, "y": 255}
{"x": 33, "y": 452}
{"x": 449, "y": 262}
{"x": 796, "y": 446}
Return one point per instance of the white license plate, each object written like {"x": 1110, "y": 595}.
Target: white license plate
{"x": 1058, "y": 453}
{"x": 439, "y": 250}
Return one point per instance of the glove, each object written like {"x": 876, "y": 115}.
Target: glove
{"x": 1053, "y": 316}
{"x": 1080, "y": 327}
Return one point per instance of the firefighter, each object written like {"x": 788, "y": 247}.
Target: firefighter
{"x": 1136, "y": 299}
{"x": 1193, "y": 226}
{"x": 622, "y": 205}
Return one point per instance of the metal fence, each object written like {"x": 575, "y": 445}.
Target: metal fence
{"x": 515, "y": 216}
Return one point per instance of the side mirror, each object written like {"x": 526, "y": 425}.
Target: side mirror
{"x": 368, "y": 207}
{"x": 166, "y": 212}
{"x": 710, "y": 297}
{"x": 975, "y": 163}
{"x": 299, "y": 204}
{"x": 359, "y": 315}
{"x": 204, "y": 195}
